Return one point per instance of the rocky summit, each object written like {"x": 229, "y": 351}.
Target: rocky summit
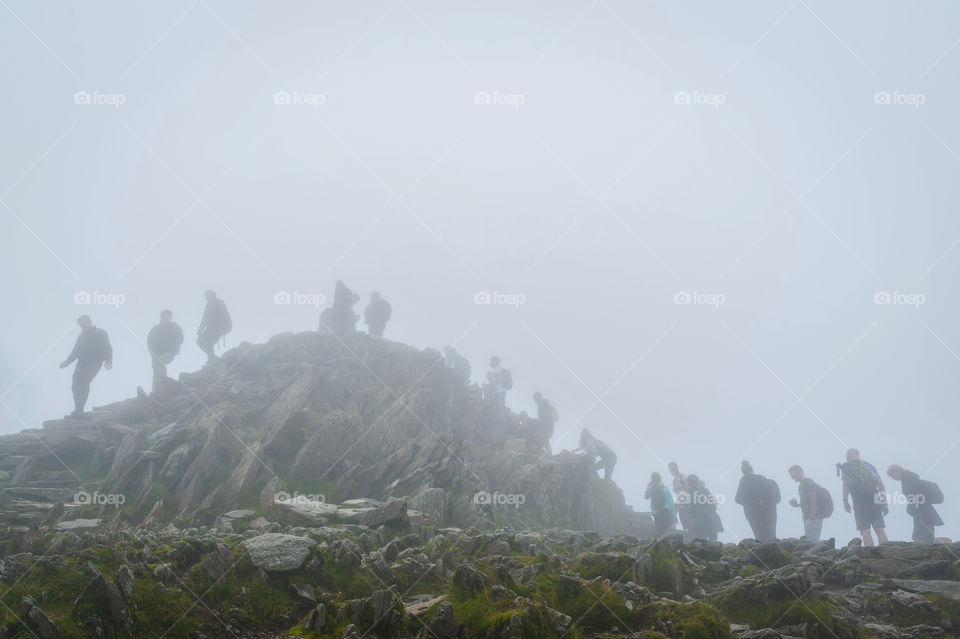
{"x": 349, "y": 486}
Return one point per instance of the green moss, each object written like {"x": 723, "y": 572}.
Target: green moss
{"x": 695, "y": 620}
{"x": 817, "y": 612}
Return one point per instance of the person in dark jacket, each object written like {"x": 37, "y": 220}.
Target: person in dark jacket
{"x": 163, "y": 343}
{"x": 547, "y": 416}
{"x": 340, "y": 319}
{"x": 377, "y": 314}
{"x": 91, "y": 351}
{"x": 704, "y": 520}
{"x": 215, "y": 324}
{"x": 662, "y": 506}
{"x": 759, "y": 497}
{"x": 925, "y": 516}
{"x": 594, "y": 448}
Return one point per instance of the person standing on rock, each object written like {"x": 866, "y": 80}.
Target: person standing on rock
{"x": 499, "y": 381}
{"x": 91, "y": 351}
{"x": 705, "y": 521}
{"x": 163, "y": 342}
{"x": 862, "y": 483}
{"x": 682, "y": 490}
{"x": 815, "y": 503}
{"x": 457, "y": 363}
{"x": 662, "y": 507}
{"x": 377, "y": 314}
{"x": 920, "y": 496}
{"x": 547, "y": 416}
{"x": 594, "y": 448}
{"x": 759, "y": 497}
{"x": 340, "y": 319}
{"x": 214, "y": 325}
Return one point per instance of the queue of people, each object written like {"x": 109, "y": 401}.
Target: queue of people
{"x": 864, "y": 496}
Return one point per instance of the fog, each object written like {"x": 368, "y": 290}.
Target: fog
{"x": 590, "y": 162}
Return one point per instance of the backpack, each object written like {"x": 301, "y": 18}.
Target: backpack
{"x": 860, "y": 480}
{"x": 931, "y": 491}
{"x": 824, "y": 502}
{"x": 506, "y": 379}
{"x": 658, "y": 501}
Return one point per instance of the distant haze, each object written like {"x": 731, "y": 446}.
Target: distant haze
{"x": 782, "y": 163}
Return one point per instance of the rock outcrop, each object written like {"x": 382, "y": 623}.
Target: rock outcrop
{"x": 296, "y": 429}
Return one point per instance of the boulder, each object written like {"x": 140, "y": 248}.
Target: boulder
{"x": 277, "y": 552}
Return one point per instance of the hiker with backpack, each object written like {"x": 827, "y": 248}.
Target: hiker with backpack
{"x": 862, "y": 485}
{"x": 91, "y": 351}
{"x": 920, "y": 495}
{"x": 594, "y": 448}
{"x": 163, "y": 342}
{"x": 499, "y": 381}
{"x": 815, "y": 503}
{"x": 662, "y": 507}
{"x": 547, "y": 416}
{"x": 759, "y": 497}
{"x": 705, "y": 521}
{"x": 215, "y": 324}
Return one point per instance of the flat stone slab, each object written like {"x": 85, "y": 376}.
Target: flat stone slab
{"x": 277, "y": 552}
{"x": 941, "y": 586}
{"x": 77, "y": 524}
{"x": 239, "y": 514}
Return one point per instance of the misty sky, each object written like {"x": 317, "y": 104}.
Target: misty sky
{"x": 595, "y": 158}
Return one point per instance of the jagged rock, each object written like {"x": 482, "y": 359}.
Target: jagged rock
{"x": 443, "y": 625}
{"x": 125, "y": 581}
{"x": 393, "y": 513}
{"x": 470, "y": 579}
{"x": 38, "y": 621}
{"x": 218, "y": 563}
{"x": 351, "y": 632}
{"x": 277, "y": 552}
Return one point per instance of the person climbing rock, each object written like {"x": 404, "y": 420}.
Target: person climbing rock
{"x": 595, "y": 448}
{"x": 91, "y": 351}
{"x": 214, "y": 325}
